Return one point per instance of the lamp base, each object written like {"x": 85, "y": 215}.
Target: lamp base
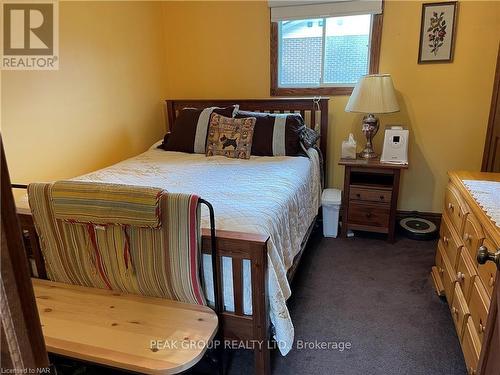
{"x": 370, "y": 128}
{"x": 368, "y": 153}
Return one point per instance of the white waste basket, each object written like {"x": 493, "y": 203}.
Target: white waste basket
{"x": 330, "y": 200}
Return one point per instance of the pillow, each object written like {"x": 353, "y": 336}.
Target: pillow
{"x": 230, "y": 137}
{"x": 309, "y": 137}
{"x": 275, "y": 134}
{"x": 189, "y": 132}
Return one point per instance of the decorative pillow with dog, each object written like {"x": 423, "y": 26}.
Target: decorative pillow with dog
{"x": 189, "y": 131}
{"x": 230, "y": 137}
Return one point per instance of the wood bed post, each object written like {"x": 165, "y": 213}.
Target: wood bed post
{"x": 262, "y": 351}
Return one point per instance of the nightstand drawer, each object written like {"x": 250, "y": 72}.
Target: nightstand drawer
{"x": 370, "y": 195}
{"x": 369, "y": 214}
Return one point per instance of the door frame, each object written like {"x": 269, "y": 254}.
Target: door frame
{"x": 494, "y": 103}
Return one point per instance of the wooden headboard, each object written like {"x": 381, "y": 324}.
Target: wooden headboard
{"x": 313, "y": 110}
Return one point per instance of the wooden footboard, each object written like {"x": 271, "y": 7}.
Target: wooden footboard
{"x": 251, "y": 330}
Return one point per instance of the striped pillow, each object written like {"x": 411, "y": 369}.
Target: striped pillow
{"x": 275, "y": 134}
{"x": 189, "y": 132}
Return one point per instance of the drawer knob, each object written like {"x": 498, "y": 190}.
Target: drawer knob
{"x": 382, "y": 197}
{"x": 467, "y": 237}
{"x": 471, "y": 371}
{"x": 358, "y": 195}
{"x": 445, "y": 240}
{"x": 492, "y": 281}
{"x": 483, "y": 255}
{"x": 460, "y": 277}
{"x": 454, "y": 310}
{"x": 450, "y": 207}
{"x": 482, "y": 328}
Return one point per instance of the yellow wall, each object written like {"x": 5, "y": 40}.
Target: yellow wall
{"x": 221, "y": 49}
{"x": 101, "y": 106}
{"x": 119, "y": 59}
{"x": 217, "y": 49}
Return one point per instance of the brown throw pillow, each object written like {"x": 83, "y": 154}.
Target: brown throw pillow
{"x": 230, "y": 137}
{"x": 189, "y": 132}
{"x": 275, "y": 134}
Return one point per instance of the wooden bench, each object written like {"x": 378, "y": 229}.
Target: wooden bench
{"x": 136, "y": 333}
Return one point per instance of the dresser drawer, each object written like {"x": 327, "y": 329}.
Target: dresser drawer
{"x": 487, "y": 272}
{"x": 456, "y": 209}
{"x": 451, "y": 243}
{"x": 471, "y": 348}
{"x": 447, "y": 275}
{"x": 473, "y": 235}
{"x": 437, "y": 272}
{"x": 370, "y": 214}
{"x": 459, "y": 310}
{"x": 370, "y": 195}
{"x": 479, "y": 305}
{"x": 466, "y": 271}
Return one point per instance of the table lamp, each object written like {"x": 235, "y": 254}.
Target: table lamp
{"x": 373, "y": 93}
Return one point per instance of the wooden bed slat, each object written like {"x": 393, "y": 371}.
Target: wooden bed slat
{"x": 307, "y": 118}
{"x": 238, "y": 285}
{"x": 316, "y": 123}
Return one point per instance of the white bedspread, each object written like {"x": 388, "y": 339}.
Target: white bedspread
{"x": 276, "y": 196}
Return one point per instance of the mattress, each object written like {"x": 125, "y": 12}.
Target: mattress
{"x": 276, "y": 196}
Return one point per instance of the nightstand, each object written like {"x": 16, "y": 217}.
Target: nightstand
{"x": 370, "y": 196}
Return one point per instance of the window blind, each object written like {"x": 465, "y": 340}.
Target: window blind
{"x": 282, "y": 10}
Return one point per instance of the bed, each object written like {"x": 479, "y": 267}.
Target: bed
{"x": 265, "y": 208}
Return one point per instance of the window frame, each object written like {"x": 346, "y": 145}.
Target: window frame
{"x": 374, "y": 57}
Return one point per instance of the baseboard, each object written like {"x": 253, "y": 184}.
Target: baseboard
{"x": 435, "y": 217}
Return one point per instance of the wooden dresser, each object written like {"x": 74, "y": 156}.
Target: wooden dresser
{"x": 467, "y": 285}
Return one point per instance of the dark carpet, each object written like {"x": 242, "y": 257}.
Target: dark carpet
{"x": 376, "y": 296}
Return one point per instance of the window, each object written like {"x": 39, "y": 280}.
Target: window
{"x": 323, "y": 56}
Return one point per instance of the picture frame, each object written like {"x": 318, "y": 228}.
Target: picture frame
{"x": 437, "y": 32}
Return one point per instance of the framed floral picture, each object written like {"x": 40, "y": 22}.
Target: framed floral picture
{"x": 437, "y": 32}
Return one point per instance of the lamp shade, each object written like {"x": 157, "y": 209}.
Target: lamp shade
{"x": 373, "y": 93}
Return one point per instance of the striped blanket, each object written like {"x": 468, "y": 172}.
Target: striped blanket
{"x": 131, "y": 239}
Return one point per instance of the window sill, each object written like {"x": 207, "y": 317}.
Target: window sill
{"x": 319, "y": 91}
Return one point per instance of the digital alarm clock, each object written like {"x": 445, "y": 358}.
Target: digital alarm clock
{"x": 395, "y": 149}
